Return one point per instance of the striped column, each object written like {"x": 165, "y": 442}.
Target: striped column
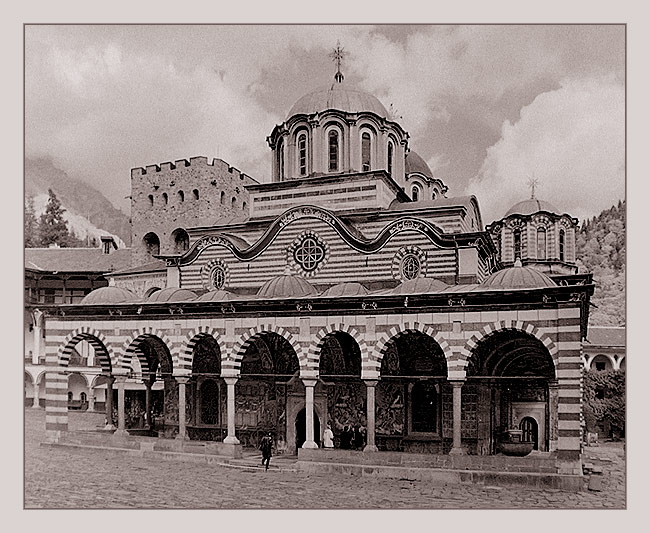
{"x": 569, "y": 373}
{"x": 56, "y": 404}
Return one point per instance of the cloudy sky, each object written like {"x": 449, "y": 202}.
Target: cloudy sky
{"x": 488, "y": 107}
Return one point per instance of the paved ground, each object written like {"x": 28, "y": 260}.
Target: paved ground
{"x": 61, "y": 478}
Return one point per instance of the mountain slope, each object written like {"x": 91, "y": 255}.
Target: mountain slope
{"x": 600, "y": 248}
{"x": 89, "y": 212}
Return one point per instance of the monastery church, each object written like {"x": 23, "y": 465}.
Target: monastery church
{"x": 352, "y": 290}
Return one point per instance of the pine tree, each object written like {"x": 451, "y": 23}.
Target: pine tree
{"x": 53, "y": 228}
{"x": 31, "y": 224}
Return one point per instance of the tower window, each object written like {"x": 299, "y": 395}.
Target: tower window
{"x": 181, "y": 196}
{"x": 365, "y": 152}
{"x": 302, "y": 154}
{"x": 243, "y": 206}
{"x": 151, "y": 200}
{"x": 541, "y": 243}
{"x": 561, "y": 245}
{"x": 333, "y": 151}
{"x": 281, "y": 160}
{"x": 196, "y": 194}
{"x": 223, "y": 197}
{"x": 390, "y": 159}
{"x": 234, "y": 202}
{"x": 517, "y": 243}
{"x": 165, "y": 198}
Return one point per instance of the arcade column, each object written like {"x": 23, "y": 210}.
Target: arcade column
{"x": 230, "y": 438}
{"x": 309, "y": 414}
{"x": 456, "y": 448}
{"x": 182, "y": 429}
{"x": 371, "y": 387}
{"x": 121, "y": 418}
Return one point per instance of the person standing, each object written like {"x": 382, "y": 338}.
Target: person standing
{"x": 266, "y": 445}
{"x": 328, "y": 437}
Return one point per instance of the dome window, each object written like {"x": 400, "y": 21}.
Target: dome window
{"x": 223, "y": 197}
{"x": 415, "y": 193}
{"x": 410, "y": 267}
{"x": 390, "y": 159}
{"x": 561, "y": 245}
{"x": 333, "y": 139}
{"x": 302, "y": 154}
{"x": 517, "y": 243}
{"x": 541, "y": 243}
{"x": 365, "y": 151}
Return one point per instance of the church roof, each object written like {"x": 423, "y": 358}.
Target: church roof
{"x": 338, "y": 96}
{"x": 420, "y": 286}
{"x": 346, "y": 289}
{"x": 606, "y": 336}
{"x": 517, "y": 277}
{"x": 217, "y": 296}
{"x": 414, "y": 163}
{"x": 530, "y": 206}
{"x": 109, "y": 295}
{"x": 171, "y": 294}
{"x": 76, "y": 259}
{"x": 287, "y": 286}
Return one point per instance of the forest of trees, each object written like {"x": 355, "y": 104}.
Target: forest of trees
{"x": 600, "y": 249}
{"x": 50, "y": 228}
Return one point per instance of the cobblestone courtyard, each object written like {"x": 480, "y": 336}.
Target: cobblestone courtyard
{"x": 100, "y": 479}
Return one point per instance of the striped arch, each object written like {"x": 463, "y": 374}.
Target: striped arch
{"x": 131, "y": 346}
{"x": 96, "y": 339}
{"x": 517, "y": 325}
{"x": 242, "y": 344}
{"x": 314, "y": 352}
{"x": 402, "y": 329}
{"x": 186, "y": 352}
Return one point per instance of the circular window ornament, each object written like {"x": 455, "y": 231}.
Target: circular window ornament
{"x": 410, "y": 262}
{"x": 309, "y": 253}
{"x": 218, "y": 277}
{"x": 410, "y": 267}
{"x": 215, "y": 275}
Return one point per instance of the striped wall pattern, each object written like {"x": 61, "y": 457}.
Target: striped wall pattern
{"x": 457, "y": 333}
{"x": 343, "y": 262}
{"x": 95, "y": 338}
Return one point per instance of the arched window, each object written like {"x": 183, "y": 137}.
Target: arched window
{"x": 561, "y": 245}
{"x": 223, "y": 197}
{"x": 517, "y": 243}
{"x": 83, "y": 397}
{"x": 151, "y": 200}
{"x": 70, "y": 396}
{"x": 541, "y": 243}
{"x": 165, "y": 198}
{"x": 365, "y": 151}
{"x": 333, "y": 138}
{"x": 415, "y": 193}
{"x": 390, "y": 159}
{"x": 196, "y": 194}
{"x": 281, "y": 160}
{"x": 180, "y": 240}
{"x": 181, "y": 196}
{"x": 151, "y": 243}
{"x": 233, "y": 202}
{"x": 434, "y": 194}
{"x": 302, "y": 153}
{"x": 243, "y": 206}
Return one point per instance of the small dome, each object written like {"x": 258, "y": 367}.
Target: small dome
{"x": 530, "y": 206}
{"x": 517, "y": 277}
{"x": 287, "y": 286}
{"x": 420, "y": 286}
{"x": 172, "y": 294}
{"x": 109, "y": 295}
{"x": 346, "y": 289}
{"x": 217, "y": 296}
{"x": 414, "y": 163}
{"x": 338, "y": 96}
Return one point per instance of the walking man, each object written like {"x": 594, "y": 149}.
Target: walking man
{"x": 266, "y": 445}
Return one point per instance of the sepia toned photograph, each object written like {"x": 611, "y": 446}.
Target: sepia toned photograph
{"x": 325, "y": 266}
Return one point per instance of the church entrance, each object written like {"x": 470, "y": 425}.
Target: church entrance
{"x": 301, "y": 430}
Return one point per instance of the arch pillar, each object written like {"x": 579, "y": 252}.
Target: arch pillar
{"x": 182, "y": 430}
{"x": 109, "y": 402}
{"x": 121, "y": 415}
{"x": 309, "y": 413}
{"x": 231, "y": 438}
{"x": 56, "y": 404}
{"x": 36, "y": 400}
{"x": 371, "y": 385}
{"x": 457, "y": 448}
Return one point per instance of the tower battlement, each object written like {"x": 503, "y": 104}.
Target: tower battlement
{"x": 196, "y": 162}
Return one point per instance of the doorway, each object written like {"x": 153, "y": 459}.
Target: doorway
{"x": 301, "y": 429}
{"x": 528, "y": 426}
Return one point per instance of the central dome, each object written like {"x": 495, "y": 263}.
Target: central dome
{"x": 530, "y": 206}
{"x": 338, "y": 96}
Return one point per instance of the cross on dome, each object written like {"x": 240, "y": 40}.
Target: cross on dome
{"x": 337, "y": 56}
{"x": 532, "y": 183}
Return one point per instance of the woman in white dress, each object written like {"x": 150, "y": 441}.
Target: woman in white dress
{"x": 328, "y": 438}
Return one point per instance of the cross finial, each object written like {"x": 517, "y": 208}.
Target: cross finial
{"x": 532, "y": 183}
{"x": 337, "y": 56}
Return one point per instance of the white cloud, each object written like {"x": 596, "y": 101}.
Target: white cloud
{"x": 572, "y": 140}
